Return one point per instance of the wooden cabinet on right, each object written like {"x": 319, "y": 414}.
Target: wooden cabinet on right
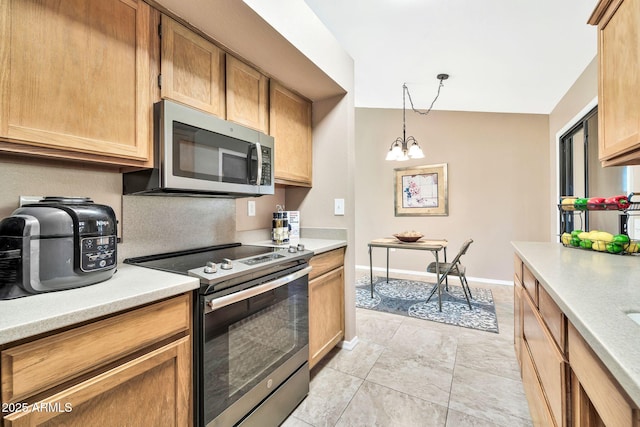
{"x": 290, "y": 125}
{"x": 326, "y": 303}
{"x": 566, "y": 384}
{"x": 618, "y": 24}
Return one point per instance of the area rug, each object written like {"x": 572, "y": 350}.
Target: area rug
{"x": 408, "y": 298}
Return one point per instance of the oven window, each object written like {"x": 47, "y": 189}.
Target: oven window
{"x": 246, "y": 341}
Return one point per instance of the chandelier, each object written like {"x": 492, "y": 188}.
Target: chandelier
{"x": 408, "y": 148}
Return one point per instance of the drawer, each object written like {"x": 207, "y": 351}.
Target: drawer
{"x": 538, "y": 407}
{"x": 549, "y": 363}
{"x": 517, "y": 267}
{"x": 36, "y": 366}
{"x": 604, "y": 393}
{"x": 553, "y": 317}
{"x": 325, "y": 262}
{"x": 529, "y": 284}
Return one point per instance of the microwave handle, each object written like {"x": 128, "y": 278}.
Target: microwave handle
{"x": 258, "y": 149}
{"x": 259, "y": 174}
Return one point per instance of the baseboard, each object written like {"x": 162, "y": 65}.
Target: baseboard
{"x": 349, "y": 345}
{"x": 431, "y": 275}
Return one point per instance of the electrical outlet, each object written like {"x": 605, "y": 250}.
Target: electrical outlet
{"x": 338, "y": 206}
{"x": 25, "y": 200}
{"x": 251, "y": 208}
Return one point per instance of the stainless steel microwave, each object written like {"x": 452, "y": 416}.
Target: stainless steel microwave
{"x": 198, "y": 154}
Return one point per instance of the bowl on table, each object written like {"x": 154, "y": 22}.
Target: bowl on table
{"x": 408, "y": 237}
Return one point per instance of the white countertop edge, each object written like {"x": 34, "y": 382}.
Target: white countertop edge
{"x": 129, "y": 287}
{"x": 612, "y": 336}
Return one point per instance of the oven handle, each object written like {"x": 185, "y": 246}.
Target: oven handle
{"x": 226, "y": 300}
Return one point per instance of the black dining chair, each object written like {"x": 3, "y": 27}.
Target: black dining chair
{"x": 453, "y": 268}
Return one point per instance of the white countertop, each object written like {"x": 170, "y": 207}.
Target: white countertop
{"x": 129, "y": 287}
{"x": 595, "y": 291}
{"x": 316, "y": 245}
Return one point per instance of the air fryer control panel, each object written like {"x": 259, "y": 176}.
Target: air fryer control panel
{"x": 97, "y": 253}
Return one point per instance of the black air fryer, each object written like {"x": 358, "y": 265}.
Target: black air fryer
{"x": 58, "y": 243}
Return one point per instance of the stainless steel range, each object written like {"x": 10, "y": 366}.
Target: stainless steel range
{"x": 251, "y": 330}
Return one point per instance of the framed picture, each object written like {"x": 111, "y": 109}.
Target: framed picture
{"x": 421, "y": 190}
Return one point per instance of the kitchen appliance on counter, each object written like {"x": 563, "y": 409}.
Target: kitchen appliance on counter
{"x": 58, "y": 243}
{"x": 251, "y": 330}
{"x": 198, "y": 154}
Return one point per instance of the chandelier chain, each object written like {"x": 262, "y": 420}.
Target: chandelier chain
{"x": 424, "y": 113}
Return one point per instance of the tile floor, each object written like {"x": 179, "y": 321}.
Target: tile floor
{"x": 410, "y": 372}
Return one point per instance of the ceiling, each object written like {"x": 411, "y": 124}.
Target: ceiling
{"x": 518, "y": 56}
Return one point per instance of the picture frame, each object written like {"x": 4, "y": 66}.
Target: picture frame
{"x": 421, "y": 191}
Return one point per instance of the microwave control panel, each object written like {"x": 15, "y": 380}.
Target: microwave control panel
{"x": 266, "y": 166}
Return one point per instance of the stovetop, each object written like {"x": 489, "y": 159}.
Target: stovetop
{"x": 231, "y": 263}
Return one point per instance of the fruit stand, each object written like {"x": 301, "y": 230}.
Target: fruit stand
{"x": 599, "y": 240}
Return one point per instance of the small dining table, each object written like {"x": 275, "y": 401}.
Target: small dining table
{"x": 433, "y": 245}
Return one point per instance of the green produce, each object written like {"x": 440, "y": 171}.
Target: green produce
{"x": 586, "y": 243}
{"x": 621, "y": 238}
{"x": 575, "y": 242}
{"x": 581, "y": 204}
{"x": 575, "y": 233}
{"x": 614, "y": 248}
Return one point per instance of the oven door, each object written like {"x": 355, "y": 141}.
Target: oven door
{"x": 254, "y": 341}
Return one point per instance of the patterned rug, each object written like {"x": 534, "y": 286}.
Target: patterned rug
{"x": 408, "y": 298}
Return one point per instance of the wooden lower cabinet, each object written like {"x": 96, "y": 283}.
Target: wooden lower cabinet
{"x": 565, "y": 382}
{"x": 119, "y": 379}
{"x": 326, "y": 304}
{"x": 601, "y": 399}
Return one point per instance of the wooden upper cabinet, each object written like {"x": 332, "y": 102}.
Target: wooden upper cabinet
{"x": 618, "y": 24}
{"x": 290, "y": 125}
{"x": 247, "y": 91}
{"x": 76, "y": 77}
{"x": 192, "y": 69}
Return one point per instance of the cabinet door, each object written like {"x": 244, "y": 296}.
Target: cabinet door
{"x": 247, "y": 91}
{"x": 517, "y": 318}
{"x": 619, "y": 87}
{"x": 290, "y": 122}
{"x": 76, "y": 76}
{"x": 549, "y": 363}
{"x": 151, "y": 390}
{"x": 326, "y": 314}
{"x": 192, "y": 69}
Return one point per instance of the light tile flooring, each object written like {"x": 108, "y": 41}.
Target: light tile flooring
{"x": 410, "y": 372}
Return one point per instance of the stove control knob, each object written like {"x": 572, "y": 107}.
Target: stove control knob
{"x": 293, "y": 249}
{"x": 211, "y": 267}
{"x": 226, "y": 264}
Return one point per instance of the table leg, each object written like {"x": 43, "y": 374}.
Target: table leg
{"x": 446, "y": 279}
{"x": 438, "y": 282}
{"x": 387, "y": 265}
{"x": 371, "y": 270}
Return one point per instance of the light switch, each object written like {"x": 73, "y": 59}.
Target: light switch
{"x": 251, "y": 208}
{"x": 338, "y": 206}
